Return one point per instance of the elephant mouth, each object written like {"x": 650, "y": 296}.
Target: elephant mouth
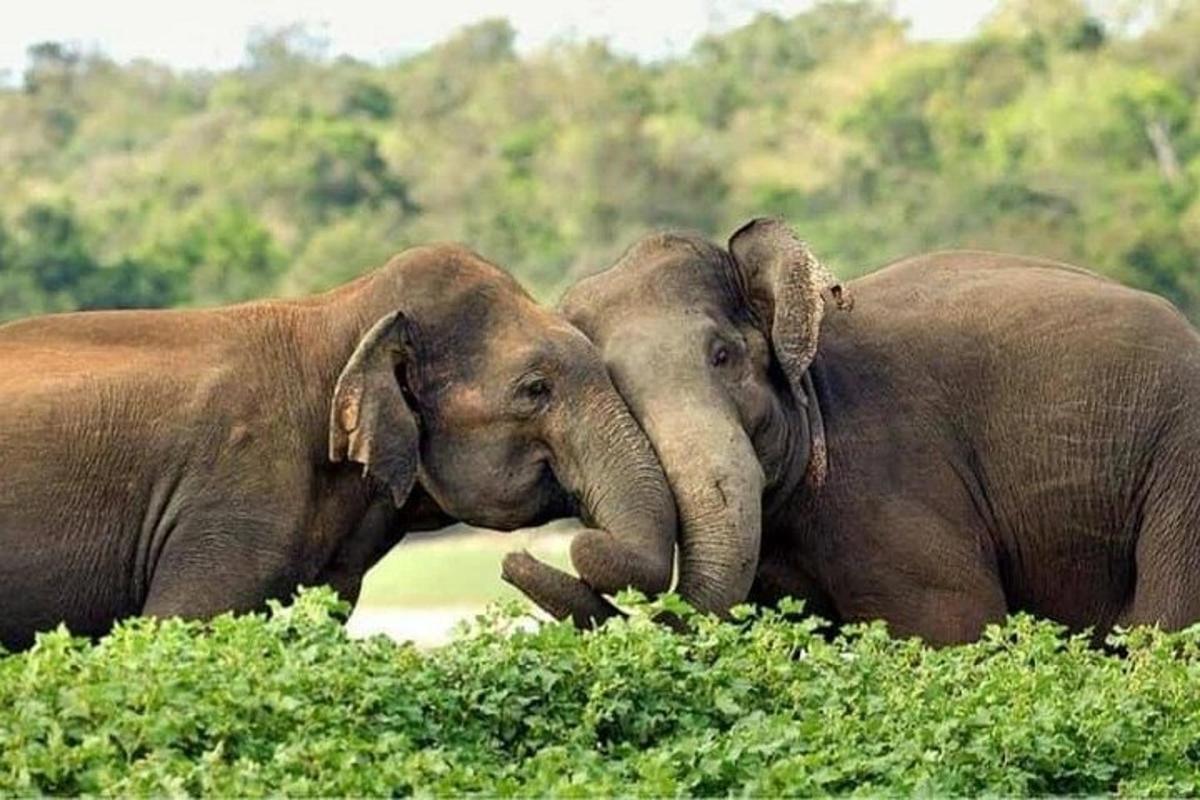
{"x": 538, "y": 499}
{"x": 558, "y": 501}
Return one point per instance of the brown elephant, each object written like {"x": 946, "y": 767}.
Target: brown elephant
{"x": 191, "y": 462}
{"x": 982, "y": 434}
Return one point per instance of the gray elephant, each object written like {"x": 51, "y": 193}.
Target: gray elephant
{"x": 194, "y": 462}
{"x": 982, "y": 434}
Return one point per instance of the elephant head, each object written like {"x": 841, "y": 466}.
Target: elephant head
{"x": 710, "y": 347}
{"x": 500, "y": 411}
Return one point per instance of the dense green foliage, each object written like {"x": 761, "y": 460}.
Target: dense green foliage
{"x": 1051, "y": 132}
{"x": 287, "y": 704}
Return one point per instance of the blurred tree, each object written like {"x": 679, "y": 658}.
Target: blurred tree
{"x": 215, "y": 255}
{"x": 52, "y": 249}
{"x": 285, "y": 50}
{"x": 53, "y": 67}
{"x": 47, "y": 265}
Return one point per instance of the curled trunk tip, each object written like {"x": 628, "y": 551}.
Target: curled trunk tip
{"x": 561, "y": 595}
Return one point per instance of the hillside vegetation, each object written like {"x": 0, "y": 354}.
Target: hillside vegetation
{"x": 1052, "y": 132}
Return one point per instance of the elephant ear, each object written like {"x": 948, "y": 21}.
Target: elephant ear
{"x": 785, "y": 285}
{"x": 370, "y": 421}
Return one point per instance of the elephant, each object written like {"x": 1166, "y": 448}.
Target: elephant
{"x": 193, "y": 462}
{"x": 953, "y": 438}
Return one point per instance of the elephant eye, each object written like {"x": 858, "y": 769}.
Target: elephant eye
{"x": 535, "y": 391}
{"x": 720, "y": 355}
{"x": 537, "y": 388}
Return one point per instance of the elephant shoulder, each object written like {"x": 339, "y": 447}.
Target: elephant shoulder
{"x": 985, "y": 288}
{"x": 959, "y": 311}
{"x": 954, "y": 269}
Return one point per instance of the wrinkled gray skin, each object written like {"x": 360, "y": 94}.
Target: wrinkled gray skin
{"x": 194, "y": 462}
{"x": 982, "y": 434}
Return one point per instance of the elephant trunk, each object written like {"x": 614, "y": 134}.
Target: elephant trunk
{"x": 711, "y": 472}
{"x": 625, "y": 499}
{"x": 718, "y": 483}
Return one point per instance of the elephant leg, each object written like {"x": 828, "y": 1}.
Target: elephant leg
{"x": 208, "y": 568}
{"x": 921, "y": 573}
{"x": 1166, "y": 590}
{"x": 943, "y": 615}
{"x": 375, "y": 536}
{"x": 780, "y": 576}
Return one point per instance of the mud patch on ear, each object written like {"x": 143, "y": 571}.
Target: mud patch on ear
{"x": 239, "y": 435}
{"x": 818, "y": 450}
{"x": 818, "y": 463}
{"x": 842, "y": 297}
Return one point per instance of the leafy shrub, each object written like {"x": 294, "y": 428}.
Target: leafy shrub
{"x": 286, "y": 703}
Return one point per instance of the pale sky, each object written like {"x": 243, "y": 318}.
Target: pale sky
{"x": 213, "y": 33}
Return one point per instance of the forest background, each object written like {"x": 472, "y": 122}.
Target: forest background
{"x": 1059, "y": 128}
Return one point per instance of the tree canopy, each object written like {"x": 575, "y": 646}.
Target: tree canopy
{"x": 1052, "y": 131}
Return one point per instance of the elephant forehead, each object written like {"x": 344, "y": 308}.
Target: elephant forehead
{"x": 535, "y": 336}
{"x": 664, "y": 345}
{"x": 645, "y": 324}
{"x": 656, "y": 286}
{"x": 464, "y": 335}
{"x": 471, "y": 314}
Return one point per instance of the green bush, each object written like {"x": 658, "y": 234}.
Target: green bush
{"x": 288, "y": 704}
